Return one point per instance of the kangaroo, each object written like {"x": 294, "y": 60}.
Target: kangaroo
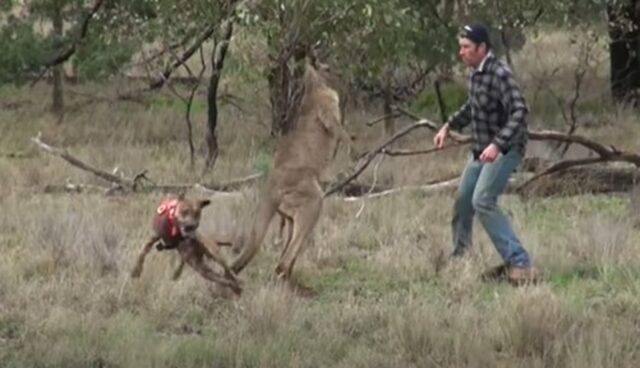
{"x": 293, "y": 189}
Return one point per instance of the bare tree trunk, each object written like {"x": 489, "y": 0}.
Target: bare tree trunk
{"x": 447, "y": 13}
{"x": 462, "y": 7}
{"x": 387, "y": 95}
{"x": 278, "y": 79}
{"x": 217, "y": 62}
{"x": 624, "y": 49}
{"x": 285, "y": 75}
{"x": 285, "y": 91}
{"x": 57, "y": 106}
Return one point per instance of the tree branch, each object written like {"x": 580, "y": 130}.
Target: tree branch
{"x": 606, "y": 154}
{"x": 197, "y": 44}
{"x": 64, "y": 56}
{"x": 369, "y": 156}
{"x": 382, "y": 118}
{"x": 127, "y": 183}
{"x": 419, "y": 152}
{"x": 134, "y": 184}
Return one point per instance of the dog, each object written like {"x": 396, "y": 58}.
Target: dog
{"x": 175, "y": 226}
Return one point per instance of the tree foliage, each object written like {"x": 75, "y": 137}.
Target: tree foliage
{"x": 377, "y": 45}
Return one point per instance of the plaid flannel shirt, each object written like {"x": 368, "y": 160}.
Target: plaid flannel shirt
{"x": 495, "y": 108}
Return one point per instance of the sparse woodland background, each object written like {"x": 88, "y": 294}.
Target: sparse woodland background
{"x": 167, "y": 95}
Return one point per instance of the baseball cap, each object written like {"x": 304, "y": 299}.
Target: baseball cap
{"x": 477, "y": 33}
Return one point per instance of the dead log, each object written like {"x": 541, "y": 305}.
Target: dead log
{"x": 594, "y": 179}
{"x": 427, "y": 189}
{"x": 570, "y": 182}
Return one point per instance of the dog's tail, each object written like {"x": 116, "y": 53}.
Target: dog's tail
{"x": 265, "y": 213}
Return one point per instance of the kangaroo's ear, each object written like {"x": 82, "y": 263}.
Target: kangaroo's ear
{"x": 203, "y": 203}
{"x": 182, "y": 194}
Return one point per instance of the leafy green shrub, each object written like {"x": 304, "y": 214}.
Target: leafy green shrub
{"x": 101, "y": 56}
{"x": 426, "y": 102}
{"x": 23, "y": 52}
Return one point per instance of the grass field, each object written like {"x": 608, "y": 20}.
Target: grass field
{"x": 382, "y": 299}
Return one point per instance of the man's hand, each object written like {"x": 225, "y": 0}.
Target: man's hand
{"x": 441, "y": 136}
{"x": 490, "y": 153}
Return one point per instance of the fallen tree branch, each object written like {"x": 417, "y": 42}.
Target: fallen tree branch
{"x": 369, "y": 156}
{"x": 549, "y": 135}
{"x": 456, "y": 137}
{"x": 81, "y": 165}
{"x": 562, "y": 165}
{"x": 134, "y": 184}
{"x": 427, "y": 189}
{"x": 596, "y": 179}
{"x": 605, "y": 153}
{"x": 382, "y": 118}
{"x": 572, "y": 181}
{"x": 434, "y": 187}
{"x": 418, "y": 152}
{"x": 73, "y": 188}
{"x": 366, "y": 158}
{"x": 543, "y": 135}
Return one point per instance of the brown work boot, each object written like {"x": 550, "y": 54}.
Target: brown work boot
{"x": 522, "y": 275}
{"x": 495, "y": 274}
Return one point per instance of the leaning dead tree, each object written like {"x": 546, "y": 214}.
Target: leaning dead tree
{"x": 218, "y": 54}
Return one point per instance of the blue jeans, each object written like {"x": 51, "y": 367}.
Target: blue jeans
{"x": 478, "y": 192}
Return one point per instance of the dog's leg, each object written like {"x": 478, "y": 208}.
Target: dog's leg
{"x": 137, "y": 269}
{"x": 178, "y": 271}
{"x": 304, "y": 220}
{"x": 200, "y": 267}
{"x": 212, "y": 251}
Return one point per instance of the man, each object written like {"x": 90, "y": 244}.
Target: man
{"x": 497, "y": 111}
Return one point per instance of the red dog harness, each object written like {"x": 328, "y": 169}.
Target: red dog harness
{"x": 165, "y": 219}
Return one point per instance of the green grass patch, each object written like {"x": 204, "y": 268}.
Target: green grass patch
{"x": 567, "y": 278}
{"x": 360, "y": 278}
{"x": 167, "y": 102}
{"x": 556, "y": 214}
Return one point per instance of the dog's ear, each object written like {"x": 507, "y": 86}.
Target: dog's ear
{"x": 203, "y": 203}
